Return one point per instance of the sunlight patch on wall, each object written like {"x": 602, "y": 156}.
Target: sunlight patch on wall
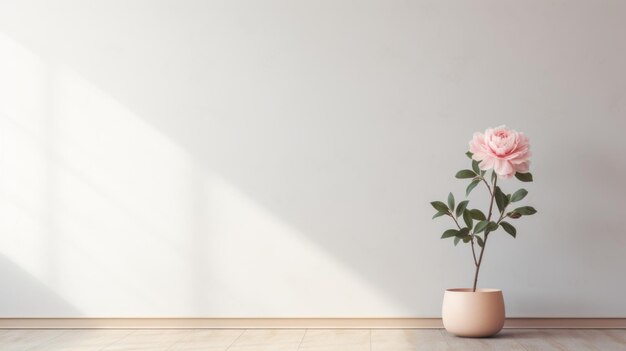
{"x": 122, "y": 222}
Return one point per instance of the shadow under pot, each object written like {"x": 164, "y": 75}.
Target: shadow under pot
{"x": 476, "y": 314}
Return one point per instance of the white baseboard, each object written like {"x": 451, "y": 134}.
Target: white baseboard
{"x": 260, "y": 323}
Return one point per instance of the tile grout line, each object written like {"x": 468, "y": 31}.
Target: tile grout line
{"x": 184, "y": 337}
{"x": 613, "y": 337}
{"x": 301, "y": 340}
{"x": 48, "y": 341}
{"x": 118, "y": 340}
{"x": 551, "y": 337}
{"x": 176, "y": 342}
{"x": 237, "y": 338}
{"x": 445, "y": 339}
{"x": 520, "y": 344}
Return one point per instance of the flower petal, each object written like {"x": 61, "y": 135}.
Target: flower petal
{"x": 487, "y": 163}
{"x": 503, "y": 168}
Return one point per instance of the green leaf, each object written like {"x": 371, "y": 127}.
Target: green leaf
{"x": 465, "y": 173}
{"x": 468, "y": 219}
{"x": 451, "y": 202}
{"x": 466, "y": 239}
{"x": 461, "y": 208}
{"x": 492, "y": 227}
{"x": 480, "y": 241}
{"x": 509, "y": 228}
{"x": 463, "y": 232}
{"x": 525, "y": 210}
{"x": 439, "y": 206}
{"x": 475, "y": 167}
{"x": 469, "y": 154}
{"x": 456, "y": 240}
{"x": 480, "y": 226}
{"x": 493, "y": 176}
{"x": 471, "y": 186}
{"x": 524, "y": 177}
{"x": 439, "y": 214}
{"x": 519, "y": 195}
{"x": 449, "y": 233}
{"x": 477, "y": 215}
{"x": 500, "y": 199}
{"x": 514, "y": 215}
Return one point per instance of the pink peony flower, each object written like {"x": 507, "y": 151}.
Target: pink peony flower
{"x": 505, "y": 150}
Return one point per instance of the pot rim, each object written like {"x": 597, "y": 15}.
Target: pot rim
{"x": 478, "y": 290}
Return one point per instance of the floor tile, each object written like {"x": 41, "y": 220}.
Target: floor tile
{"x": 268, "y": 340}
{"x": 207, "y": 340}
{"x": 24, "y": 339}
{"x": 148, "y": 340}
{"x": 505, "y": 340}
{"x": 336, "y": 340}
{"x": 408, "y": 340}
{"x": 84, "y": 340}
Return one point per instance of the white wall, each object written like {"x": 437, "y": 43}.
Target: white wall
{"x": 276, "y": 158}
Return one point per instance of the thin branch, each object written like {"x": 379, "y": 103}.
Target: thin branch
{"x": 487, "y": 184}
{"x": 482, "y": 251}
{"x": 502, "y": 216}
{"x": 471, "y": 240}
{"x": 455, "y": 221}
{"x": 474, "y": 252}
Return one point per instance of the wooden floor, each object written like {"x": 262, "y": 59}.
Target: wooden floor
{"x": 306, "y": 340}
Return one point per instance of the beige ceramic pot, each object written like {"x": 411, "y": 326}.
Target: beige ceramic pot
{"x": 473, "y": 314}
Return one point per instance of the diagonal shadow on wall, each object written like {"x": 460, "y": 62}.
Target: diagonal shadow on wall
{"x": 26, "y": 296}
{"x": 267, "y": 124}
{"x": 108, "y": 167}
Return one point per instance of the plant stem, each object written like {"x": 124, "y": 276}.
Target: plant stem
{"x": 472, "y": 240}
{"x": 487, "y": 184}
{"x": 454, "y": 219}
{"x": 474, "y": 253}
{"x": 482, "y": 250}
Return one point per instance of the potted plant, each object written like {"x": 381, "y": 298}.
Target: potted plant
{"x": 473, "y": 312}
